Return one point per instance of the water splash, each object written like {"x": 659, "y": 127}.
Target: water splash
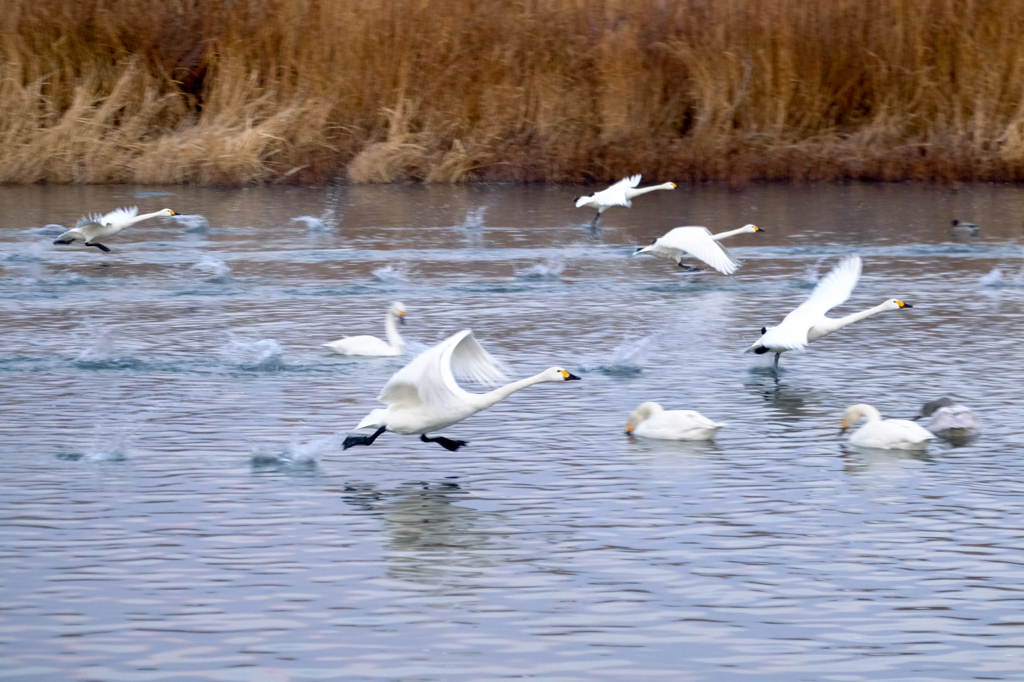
{"x": 102, "y": 348}
{"x": 265, "y": 354}
{"x": 474, "y": 219}
{"x": 212, "y": 270}
{"x": 325, "y": 223}
{"x": 113, "y": 447}
{"x": 28, "y": 253}
{"x": 812, "y": 274}
{"x": 148, "y": 195}
{"x": 549, "y": 269}
{"x": 992, "y": 279}
{"x": 298, "y": 453}
{"x": 390, "y": 273}
{"x": 192, "y": 223}
{"x": 629, "y": 357}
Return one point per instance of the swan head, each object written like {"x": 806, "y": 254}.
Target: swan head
{"x": 397, "y": 310}
{"x": 896, "y": 304}
{"x": 931, "y": 407}
{"x": 558, "y": 374}
{"x": 751, "y": 228}
{"x": 641, "y": 414}
{"x": 167, "y": 212}
{"x": 855, "y": 413}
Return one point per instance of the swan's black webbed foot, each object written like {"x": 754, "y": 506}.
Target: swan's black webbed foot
{"x": 764, "y": 330}
{"x": 690, "y": 268}
{"x": 63, "y": 241}
{"x": 362, "y": 440}
{"x": 446, "y": 443}
{"x": 777, "y": 355}
{"x": 99, "y": 246}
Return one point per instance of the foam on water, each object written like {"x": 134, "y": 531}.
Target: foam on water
{"x": 192, "y": 223}
{"x": 265, "y": 354}
{"x": 298, "y": 452}
{"x": 391, "y": 274}
{"x": 28, "y": 252}
{"x": 629, "y": 357}
{"x": 474, "y": 218}
{"x": 212, "y": 270}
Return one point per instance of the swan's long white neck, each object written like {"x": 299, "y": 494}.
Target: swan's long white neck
{"x": 730, "y": 233}
{"x": 144, "y": 216}
{"x": 630, "y": 193}
{"x": 827, "y": 325}
{"x": 502, "y": 392}
{"x": 394, "y": 338}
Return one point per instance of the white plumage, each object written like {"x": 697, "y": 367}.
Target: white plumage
{"x": 650, "y": 420}
{"x": 698, "y": 242}
{"x": 807, "y": 323}
{"x": 884, "y": 434}
{"x": 620, "y": 194}
{"x": 90, "y": 229}
{"x": 424, "y": 396}
{"x": 371, "y": 345}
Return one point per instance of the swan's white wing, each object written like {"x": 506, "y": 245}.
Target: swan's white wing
{"x": 831, "y": 291}
{"x": 626, "y": 183}
{"x": 616, "y": 194}
{"x": 119, "y": 215}
{"x": 697, "y": 242}
{"x": 431, "y": 378}
{"x": 87, "y": 220}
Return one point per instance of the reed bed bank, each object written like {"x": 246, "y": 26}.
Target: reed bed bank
{"x": 231, "y": 91}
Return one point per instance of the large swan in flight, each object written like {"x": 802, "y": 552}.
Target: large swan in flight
{"x": 619, "y": 194}
{"x": 371, "y": 345}
{"x": 89, "y": 229}
{"x": 808, "y": 323}
{"x": 424, "y": 396}
{"x": 701, "y": 244}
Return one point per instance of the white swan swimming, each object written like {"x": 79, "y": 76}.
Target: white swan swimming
{"x": 808, "y": 323}
{"x": 650, "y": 420}
{"x": 949, "y": 420}
{"x": 424, "y": 396}
{"x": 619, "y": 194}
{"x": 884, "y": 434}
{"x": 371, "y": 345}
{"x": 89, "y": 229}
{"x": 699, "y": 243}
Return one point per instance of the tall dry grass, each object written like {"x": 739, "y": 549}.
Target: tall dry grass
{"x": 236, "y": 91}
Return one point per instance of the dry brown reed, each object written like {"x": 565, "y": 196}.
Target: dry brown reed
{"x": 237, "y": 91}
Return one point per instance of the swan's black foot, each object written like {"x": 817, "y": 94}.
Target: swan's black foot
{"x": 690, "y": 268}
{"x": 362, "y": 440}
{"x": 99, "y": 246}
{"x": 63, "y": 241}
{"x": 764, "y": 330}
{"x": 446, "y": 443}
{"x": 777, "y": 356}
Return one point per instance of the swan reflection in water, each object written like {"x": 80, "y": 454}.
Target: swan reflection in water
{"x": 428, "y": 530}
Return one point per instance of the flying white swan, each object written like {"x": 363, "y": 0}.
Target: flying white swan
{"x": 619, "y": 194}
{"x": 650, "y": 420}
{"x": 424, "y": 396}
{"x": 950, "y": 420}
{"x": 699, "y": 243}
{"x": 885, "y": 434}
{"x": 808, "y": 323}
{"x": 88, "y": 229}
{"x": 371, "y": 345}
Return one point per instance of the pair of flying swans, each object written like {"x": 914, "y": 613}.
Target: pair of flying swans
{"x": 701, "y": 244}
{"x": 90, "y": 229}
{"x": 424, "y": 396}
{"x": 371, "y": 345}
{"x": 808, "y": 323}
{"x": 619, "y": 194}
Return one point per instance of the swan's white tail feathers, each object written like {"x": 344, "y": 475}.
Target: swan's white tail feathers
{"x": 374, "y": 420}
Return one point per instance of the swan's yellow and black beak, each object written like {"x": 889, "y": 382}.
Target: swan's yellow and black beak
{"x": 844, "y": 427}
{"x": 758, "y": 229}
{"x": 569, "y": 377}
{"x": 173, "y": 212}
{"x": 673, "y": 185}
{"x": 629, "y": 428}
{"x": 903, "y": 305}
{"x": 401, "y": 316}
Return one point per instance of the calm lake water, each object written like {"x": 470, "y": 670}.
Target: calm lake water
{"x": 176, "y": 503}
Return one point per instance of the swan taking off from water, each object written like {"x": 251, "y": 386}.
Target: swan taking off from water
{"x": 424, "y": 396}
{"x": 699, "y": 243}
{"x": 949, "y": 420}
{"x": 88, "y": 229}
{"x": 619, "y": 194}
{"x": 650, "y": 420}
{"x": 885, "y": 434}
{"x": 371, "y": 345}
{"x": 808, "y": 323}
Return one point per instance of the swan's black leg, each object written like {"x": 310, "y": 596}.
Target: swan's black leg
{"x": 362, "y": 440}
{"x": 690, "y": 268}
{"x": 446, "y": 443}
{"x": 777, "y": 360}
{"x": 63, "y": 241}
{"x": 593, "y": 223}
{"x": 98, "y": 246}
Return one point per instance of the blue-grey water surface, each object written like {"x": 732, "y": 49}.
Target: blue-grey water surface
{"x": 176, "y": 503}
